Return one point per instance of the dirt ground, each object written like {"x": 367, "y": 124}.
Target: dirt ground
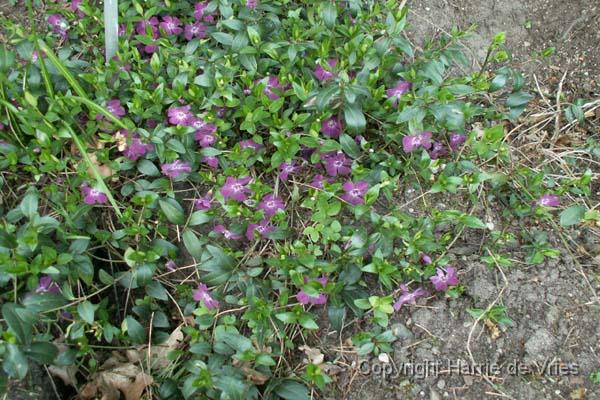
{"x": 554, "y": 305}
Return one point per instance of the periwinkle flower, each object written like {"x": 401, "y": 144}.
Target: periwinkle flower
{"x": 227, "y": 234}
{"x": 337, "y": 164}
{"x": 437, "y": 150}
{"x": 59, "y": 24}
{"x": 171, "y": 25}
{"x": 180, "y": 116}
{"x": 47, "y": 285}
{"x": 195, "y": 30}
{"x": 200, "y": 12}
{"x": 263, "y": 228}
{"x": 408, "y": 296}
{"x": 204, "y": 203}
{"x": 202, "y": 294}
{"x": 332, "y": 127}
{"x": 76, "y": 8}
{"x": 455, "y": 140}
{"x": 137, "y": 148}
{"x": 318, "y": 181}
{"x": 549, "y": 200}
{"x": 115, "y": 108}
{"x": 305, "y": 299}
{"x": 273, "y": 88}
{"x": 205, "y": 139}
{"x": 270, "y": 204}
{"x": 236, "y": 189}
{"x": 397, "y": 91}
{"x": 171, "y": 265}
{"x": 251, "y": 4}
{"x": 444, "y": 278}
{"x": 92, "y": 196}
{"x": 355, "y": 192}
{"x": 176, "y": 168}
{"x": 413, "y": 142}
{"x": 141, "y": 26}
{"x": 286, "y": 169}
{"x": 250, "y": 144}
{"x": 324, "y": 75}
{"x": 211, "y": 161}
{"x": 426, "y": 259}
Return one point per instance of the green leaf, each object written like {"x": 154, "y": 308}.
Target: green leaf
{"x": 15, "y": 363}
{"x": 473, "y": 222}
{"x": 219, "y": 267}
{"x": 193, "y": 245}
{"x": 336, "y": 315}
{"x": 223, "y": 38}
{"x": 518, "y": 99}
{"x": 38, "y": 302}
{"x": 199, "y": 218}
{"x": 572, "y": 215}
{"x": 42, "y": 352}
{"x": 147, "y": 167}
{"x": 172, "y": 210}
{"x": 86, "y": 311}
{"x": 7, "y": 58}
{"x": 286, "y": 317}
{"x": 355, "y": 119}
{"x": 157, "y": 290}
{"x": 135, "y": 330}
{"x": 329, "y": 14}
{"x": 349, "y": 146}
{"x": 292, "y": 390}
{"x": 19, "y": 320}
{"x": 307, "y": 322}
{"x": 29, "y": 204}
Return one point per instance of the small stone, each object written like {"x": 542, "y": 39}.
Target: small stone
{"x": 441, "y": 384}
{"x": 433, "y": 395}
{"x": 402, "y": 332}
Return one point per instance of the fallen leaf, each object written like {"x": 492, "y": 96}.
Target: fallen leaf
{"x": 578, "y": 394}
{"x": 126, "y": 378}
{"x": 255, "y": 376}
{"x": 493, "y": 328}
{"x": 314, "y": 355}
{"x": 160, "y": 352}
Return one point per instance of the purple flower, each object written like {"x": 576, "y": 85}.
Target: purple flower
{"x": 195, "y": 30}
{"x": 397, "y": 91}
{"x": 285, "y": 169}
{"x": 355, "y": 192}
{"x": 332, "y": 127}
{"x": 323, "y": 74}
{"x": 320, "y": 299}
{"x": 115, "y": 108}
{"x": 140, "y": 27}
{"x": 271, "y": 85}
{"x": 270, "y": 204}
{"x": 455, "y": 140}
{"x": 437, "y": 150}
{"x": 75, "y": 7}
{"x": 204, "y": 132}
{"x": 204, "y": 203}
{"x": 180, "y": 116}
{"x": 444, "y": 278}
{"x": 47, "y": 285}
{"x": 59, "y": 24}
{"x": 211, "y": 161}
{"x": 426, "y": 259}
{"x": 337, "y": 164}
{"x": 203, "y": 294}
{"x": 199, "y": 12}
{"x": 137, "y": 149}
{"x": 176, "y": 168}
{"x": 235, "y": 189}
{"x": 549, "y": 200}
{"x": 408, "y": 296}
{"x": 122, "y": 30}
{"x": 227, "y": 234}
{"x": 92, "y": 196}
{"x": 264, "y": 228}
{"x": 171, "y": 25}
{"x": 318, "y": 181}
{"x": 170, "y": 265}
{"x": 413, "y": 142}
{"x": 251, "y": 4}
{"x": 250, "y": 144}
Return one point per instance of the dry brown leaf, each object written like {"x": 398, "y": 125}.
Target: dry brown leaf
{"x": 331, "y": 369}
{"x": 258, "y": 378}
{"x": 493, "y": 328}
{"x": 126, "y": 378}
{"x": 66, "y": 374}
{"x": 160, "y": 352}
{"x": 578, "y": 394}
{"x": 314, "y": 355}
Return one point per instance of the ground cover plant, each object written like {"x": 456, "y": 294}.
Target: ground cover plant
{"x": 185, "y": 219}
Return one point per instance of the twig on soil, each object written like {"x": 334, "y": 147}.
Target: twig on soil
{"x": 557, "y": 120}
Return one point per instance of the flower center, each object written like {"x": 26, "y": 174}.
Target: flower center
{"x": 270, "y": 204}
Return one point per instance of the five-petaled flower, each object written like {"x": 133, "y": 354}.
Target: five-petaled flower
{"x": 227, "y": 234}
{"x": 204, "y": 203}
{"x": 413, "y": 142}
{"x": 408, "y": 296}
{"x": 270, "y": 204}
{"x": 180, "y": 116}
{"x": 176, "y": 168}
{"x": 236, "y": 189}
{"x": 320, "y": 299}
{"x": 211, "y": 161}
{"x": 47, "y": 285}
{"x": 263, "y": 228}
{"x": 250, "y": 144}
{"x": 286, "y": 169}
{"x": 195, "y": 30}
{"x": 332, "y": 127}
{"x": 171, "y": 25}
{"x": 337, "y": 164}
{"x": 202, "y": 293}
{"x": 396, "y": 92}
{"x": 455, "y": 140}
{"x": 444, "y": 278}
{"x": 137, "y": 148}
{"x": 323, "y": 74}
{"x": 92, "y": 196}
{"x": 251, "y": 4}
{"x": 549, "y": 200}
{"x": 272, "y": 88}
{"x": 437, "y": 150}
{"x": 115, "y": 108}
{"x": 355, "y": 192}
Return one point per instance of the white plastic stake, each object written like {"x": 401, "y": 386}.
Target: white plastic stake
{"x": 111, "y": 28}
